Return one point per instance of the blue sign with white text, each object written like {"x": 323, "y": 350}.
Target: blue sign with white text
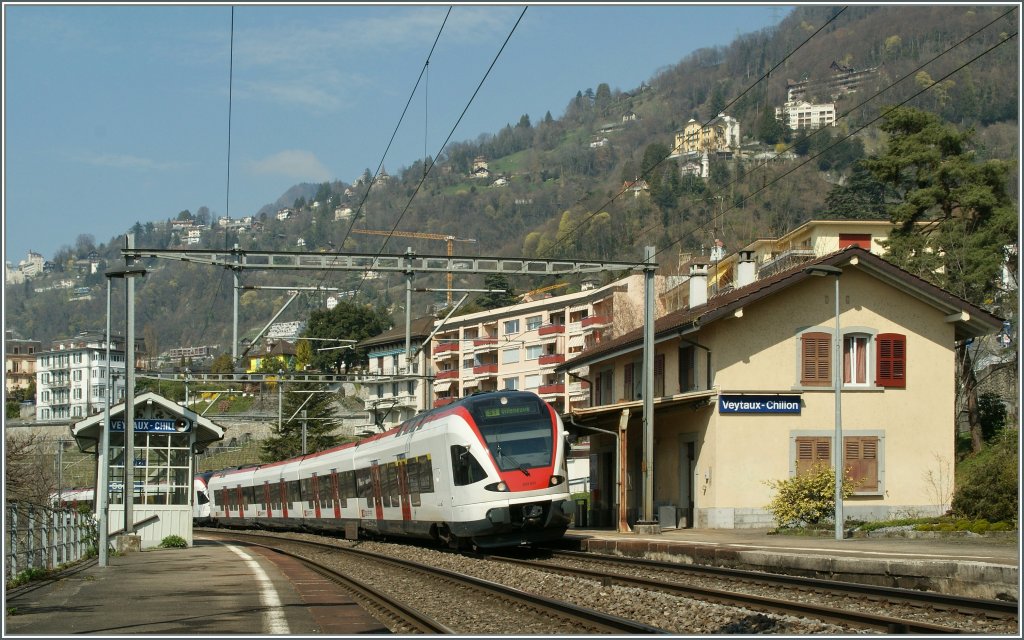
{"x": 148, "y": 426}
{"x": 759, "y": 404}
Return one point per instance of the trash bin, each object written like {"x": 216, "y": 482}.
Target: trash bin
{"x": 580, "y": 519}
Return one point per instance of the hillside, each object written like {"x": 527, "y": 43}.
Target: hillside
{"x": 564, "y": 194}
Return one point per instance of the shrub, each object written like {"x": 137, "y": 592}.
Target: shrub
{"x": 987, "y": 482}
{"x": 807, "y": 498}
{"x": 173, "y": 542}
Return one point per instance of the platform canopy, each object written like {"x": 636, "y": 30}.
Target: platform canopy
{"x": 153, "y": 413}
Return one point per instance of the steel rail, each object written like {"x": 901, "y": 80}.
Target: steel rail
{"x": 963, "y": 604}
{"x": 827, "y": 614}
{"x": 589, "y": 620}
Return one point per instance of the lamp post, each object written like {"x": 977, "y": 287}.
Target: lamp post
{"x": 837, "y": 382}
{"x": 102, "y": 483}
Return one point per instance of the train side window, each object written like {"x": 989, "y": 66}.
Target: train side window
{"x": 306, "y": 486}
{"x": 324, "y": 487}
{"x": 426, "y": 475}
{"x": 346, "y": 486}
{"x": 364, "y": 483}
{"x": 465, "y": 468}
{"x": 294, "y": 495}
{"x": 393, "y": 483}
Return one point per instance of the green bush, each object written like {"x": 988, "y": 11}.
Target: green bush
{"x": 173, "y": 542}
{"x": 987, "y": 484}
{"x": 28, "y": 575}
{"x": 808, "y": 498}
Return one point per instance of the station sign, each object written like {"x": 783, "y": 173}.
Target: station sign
{"x": 154, "y": 426}
{"x": 759, "y": 404}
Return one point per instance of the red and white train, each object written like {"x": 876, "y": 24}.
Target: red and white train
{"x": 488, "y": 470}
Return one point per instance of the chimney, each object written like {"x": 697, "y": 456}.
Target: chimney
{"x": 698, "y": 284}
{"x": 745, "y": 269}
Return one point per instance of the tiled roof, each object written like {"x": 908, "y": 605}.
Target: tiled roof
{"x": 724, "y": 304}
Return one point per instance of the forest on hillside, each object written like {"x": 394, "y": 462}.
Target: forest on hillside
{"x": 566, "y": 198}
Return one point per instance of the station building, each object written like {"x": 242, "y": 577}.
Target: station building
{"x": 167, "y": 437}
{"x": 743, "y": 395}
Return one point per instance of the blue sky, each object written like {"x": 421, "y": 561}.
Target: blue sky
{"x": 119, "y": 113}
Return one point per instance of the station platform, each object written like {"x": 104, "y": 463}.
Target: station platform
{"x": 956, "y": 564}
{"x": 209, "y": 589}
{"x": 216, "y": 589}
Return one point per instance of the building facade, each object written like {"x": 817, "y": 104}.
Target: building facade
{"x": 71, "y": 377}
{"x": 518, "y": 347}
{"x": 800, "y": 114}
{"x": 720, "y": 136}
{"x": 19, "y": 362}
{"x": 743, "y": 395}
{"x": 397, "y": 389}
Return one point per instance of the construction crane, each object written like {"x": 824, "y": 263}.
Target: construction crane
{"x": 542, "y": 290}
{"x": 427, "y": 236}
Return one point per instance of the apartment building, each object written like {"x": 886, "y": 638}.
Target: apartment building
{"x": 71, "y": 377}
{"x": 19, "y": 361}
{"x": 518, "y": 347}
{"x": 799, "y": 114}
{"x": 395, "y": 388}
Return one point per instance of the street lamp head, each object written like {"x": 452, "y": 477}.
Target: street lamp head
{"x": 125, "y": 272}
{"x": 823, "y": 270}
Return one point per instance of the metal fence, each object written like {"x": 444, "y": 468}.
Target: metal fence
{"x": 41, "y": 537}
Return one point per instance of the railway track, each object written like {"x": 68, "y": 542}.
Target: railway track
{"x": 515, "y": 609}
{"x": 885, "y": 609}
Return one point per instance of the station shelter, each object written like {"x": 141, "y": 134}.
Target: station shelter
{"x": 167, "y": 438}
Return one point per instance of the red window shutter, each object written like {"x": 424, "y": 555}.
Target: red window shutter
{"x": 860, "y": 459}
{"x": 892, "y": 360}
{"x": 862, "y": 240}
{"x": 815, "y": 359}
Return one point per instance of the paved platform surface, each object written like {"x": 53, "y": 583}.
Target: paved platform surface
{"x": 215, "y": 589}
{"x": 210, "y": 589}
{"x": 970, "y": 565}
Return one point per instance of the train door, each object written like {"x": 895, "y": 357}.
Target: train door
{"x": 282, "y": 490}
{"x": 316, "y": 496}
{"x": 225, "y": 502}
{"x": 403, "y": 490}
{"x": 240, "y": 497}
{"x": 378, "y": 502}
{"x": 334, "y": 493}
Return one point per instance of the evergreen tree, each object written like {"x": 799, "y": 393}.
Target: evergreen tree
{"x": 318, "y": 404}
{"x": 502, "y": 298}
{"x": 936, "y": 179}
{"x": 346, "y": 321}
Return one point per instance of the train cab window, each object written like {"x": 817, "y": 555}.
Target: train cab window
{"x": 465, "y": 468}
{"x": 201, "y": 497}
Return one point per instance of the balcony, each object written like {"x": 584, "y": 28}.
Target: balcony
{"x": 550, "y": 389}
{"x": 446, "y": 347}
{"x": 550, "y": 359}
{"x": 451, "y": 374}
{"x": 485, "y": 369}
{"x": 486, "y": 342}
{"x": 440, "y": 402}
{"x": 595, "y": 321}
{"x": 551, "y": 330}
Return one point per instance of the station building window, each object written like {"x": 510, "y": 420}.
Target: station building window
{"x": 161, "y": 474}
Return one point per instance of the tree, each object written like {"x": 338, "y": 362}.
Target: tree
{"x": 346, "y": 321}
{"x": 861, "y": 197}
{"x": 222, "y": 364}
{"x": 304, "y": 402}
{"x": 501, "y": 295}
{"x": 304, "y": 354}
{"x": 935, "y": 178}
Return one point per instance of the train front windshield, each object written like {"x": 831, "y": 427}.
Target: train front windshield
{"x": 518, "y": 430}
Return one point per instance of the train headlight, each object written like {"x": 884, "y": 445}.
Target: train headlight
{"x": 557, "y": 480}
{"x": 497, "y": 486}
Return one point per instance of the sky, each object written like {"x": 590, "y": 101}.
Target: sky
{"x": 119, "y": 113}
